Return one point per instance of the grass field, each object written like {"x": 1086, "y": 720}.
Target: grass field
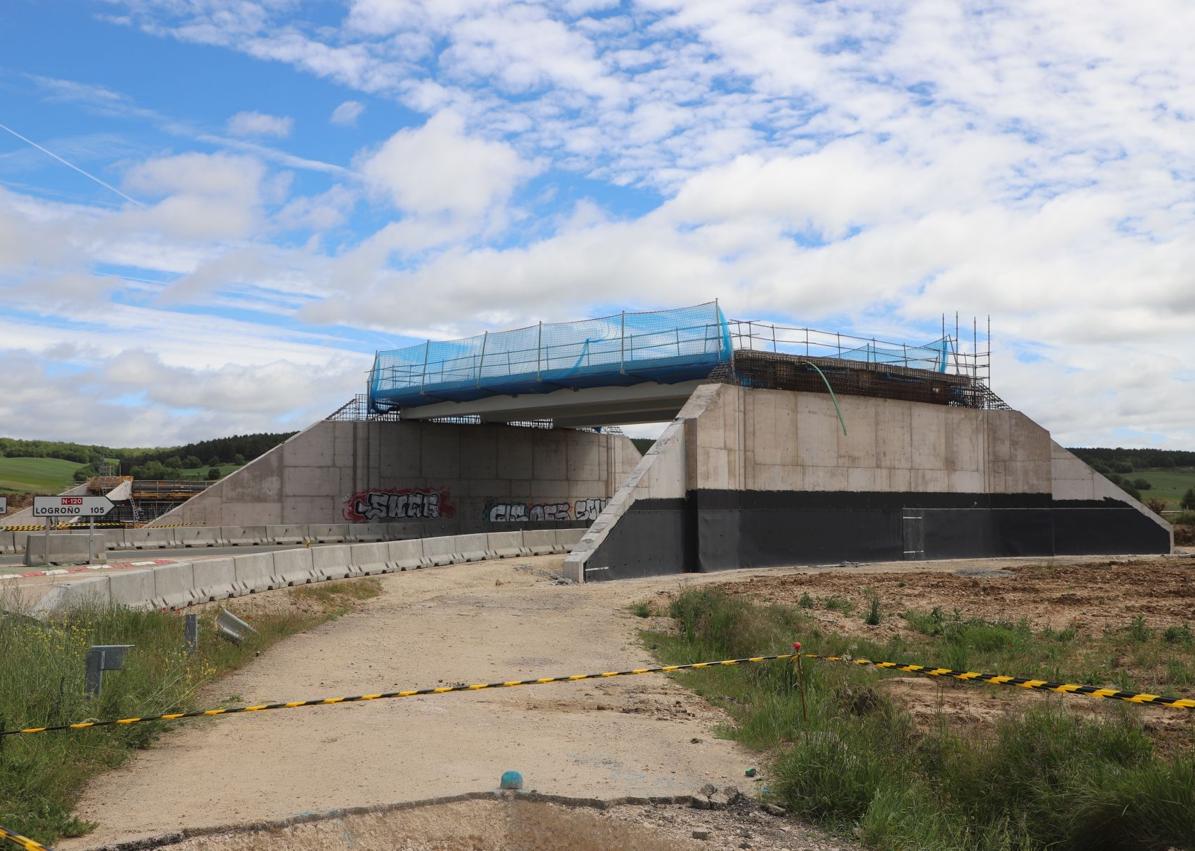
{"x": 36, "y": 475}
{"x": 201, "y": 472}
{"x": 1169, "y": 483}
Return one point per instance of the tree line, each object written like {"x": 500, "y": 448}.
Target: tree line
{"x": 149, "y": 463}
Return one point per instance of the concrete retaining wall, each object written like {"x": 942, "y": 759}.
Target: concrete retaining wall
{"x": 427, "y": 478}
{"x": 177, "y": 586}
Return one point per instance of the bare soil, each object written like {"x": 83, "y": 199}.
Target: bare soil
{"x": 518, "y": 824}
{"x": 1090, "y": 594}
{"x": 1094, "y": 596}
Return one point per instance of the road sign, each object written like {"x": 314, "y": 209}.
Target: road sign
{"x": 71, "y": 506}
{"x": 3, "y": 505}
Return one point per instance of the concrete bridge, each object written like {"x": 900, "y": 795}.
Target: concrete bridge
{"x": 783, "y": 446}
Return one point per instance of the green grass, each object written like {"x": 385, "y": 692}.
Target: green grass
{"x": 1042, "y": 778}
{"x": 36, "y": 475}
{"x": 41, "y": 683}
{"x": 1169, "y": 483}
{"x": 201, "y": 472}
{"x": 641, "y": 609}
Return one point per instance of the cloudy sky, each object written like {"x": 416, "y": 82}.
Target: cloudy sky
{"x": 221, "y": 208}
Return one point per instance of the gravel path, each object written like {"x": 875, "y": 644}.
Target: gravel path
{"x": 630, "y": 736}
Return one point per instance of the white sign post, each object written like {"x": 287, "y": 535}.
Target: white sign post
{"x": 3, "y": 505}
{"x": 90, "y": 507}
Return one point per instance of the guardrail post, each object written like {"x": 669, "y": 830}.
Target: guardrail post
{"x": 423, "y": 375}
{"x": 539, "y": 352}
{"x": 622, "y": 343}
{"x": 481, "y": 363}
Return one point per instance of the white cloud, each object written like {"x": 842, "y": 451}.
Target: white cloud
{"x": 880, "y": 161}
{"x": 206, "y": 196}
{"x": 176, "y": 404}
{"x": 347, "y": 113}
{"x": 260, "y": 124}
{"x": 439, "y": 169}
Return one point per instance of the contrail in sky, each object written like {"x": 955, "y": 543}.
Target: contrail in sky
{"x": 88, "y": 175}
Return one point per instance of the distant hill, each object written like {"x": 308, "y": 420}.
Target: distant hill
{"x": 1164, "y": 475}
{"x": 48, "y": 466}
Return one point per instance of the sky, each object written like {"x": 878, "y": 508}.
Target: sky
{"x": 213, "y": 212}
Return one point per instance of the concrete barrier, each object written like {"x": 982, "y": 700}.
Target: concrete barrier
{"x": 8, "y": 543}
{"x": 148, "y": 538}
{"x": 18, "y": 541}
{"x": 62, "y": 548}
{"x": 199, "y": 536}
{"x": 92, "y": 591}
{"x": 366, "y": 533}
{"x": 334, "y": 533}
{"x": 132, "y": 588}
{"x": 114, "y": 539}
{"x": 296, "y": 567}
{"x": 473, "y": 547}
{"x": 215, "y": 579}
{"x": 174, "y": 586}
{"x": 405, "y": 555}
{"x": 244, "y": 536}
{"x": 254, "y": 573}
{"x": 540, "y": 542}
{"x": 566, "y": 539}
{"x": 333, "y": 563}
{"x": 286, "y": 535}
{"x": 440, "y": 551}
{"x": 204, "y": 580}
{"x": 505, "y": 544}
{"x": 363, "y": 554}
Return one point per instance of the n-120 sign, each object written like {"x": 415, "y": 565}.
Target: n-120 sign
{"x": 71, "y": 506}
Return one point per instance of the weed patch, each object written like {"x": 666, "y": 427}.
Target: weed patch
{"x": 1042, "y": 778}
{"x": 41, "y": 683}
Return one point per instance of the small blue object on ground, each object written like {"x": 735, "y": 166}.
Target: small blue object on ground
{"x": 511, "y": 780}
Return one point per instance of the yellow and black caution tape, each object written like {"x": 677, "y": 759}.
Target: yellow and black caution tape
{"x": 1021, "y": 682}
{"x": 923, "y": 670}
{"x": 57, "y": 527}
{"x": 360, "y": 698}
{"x": 16, "y": 839}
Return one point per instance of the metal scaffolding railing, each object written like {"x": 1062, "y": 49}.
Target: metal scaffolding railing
{"x": 942, "y": 355}
{"x": 624, "y": 348}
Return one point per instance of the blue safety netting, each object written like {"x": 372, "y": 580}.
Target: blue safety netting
{"x": 930, "y": 356}
{"x": 626, "y": 348}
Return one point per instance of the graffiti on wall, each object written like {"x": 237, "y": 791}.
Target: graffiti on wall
{"x": 523, "y": 512}
{"x": 379, "y": 505}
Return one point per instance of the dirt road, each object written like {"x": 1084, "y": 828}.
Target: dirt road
{"x": 605, "y": 739}
{"x": 630, "y": 736}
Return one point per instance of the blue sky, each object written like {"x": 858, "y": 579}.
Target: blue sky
{"x": 291, "y": 185}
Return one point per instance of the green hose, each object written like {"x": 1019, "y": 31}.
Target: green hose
{"x": 833, "y": 397}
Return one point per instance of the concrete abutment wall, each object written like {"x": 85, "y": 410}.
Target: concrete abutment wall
{"x": 421, "y": 479}
{"x": 750, "y": 478}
